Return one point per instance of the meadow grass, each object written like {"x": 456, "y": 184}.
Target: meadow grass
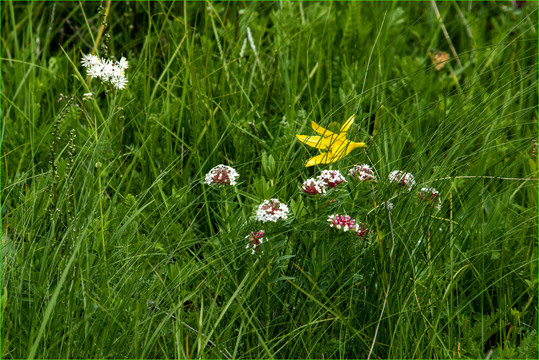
{"x": 113, "y": 246}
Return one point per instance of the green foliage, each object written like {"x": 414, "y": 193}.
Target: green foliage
{"x": 118, "y": 249}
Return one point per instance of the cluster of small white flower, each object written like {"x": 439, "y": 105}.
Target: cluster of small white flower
{"x": 272, "y": 210}
{"x": 402, "y": 178}
{"x": 362, "y": 172}
{"x": 109, "y": 71}
{"x": 221, "y": 175}
{"x": 314, "y": 186}
{"x": 332, "y": 178}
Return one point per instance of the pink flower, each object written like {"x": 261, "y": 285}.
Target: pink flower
{"x": 361, "y": 172}
{"x": 221, "y": 175}
{"x": 430, "y": 197}
{"x": 313, "y": 186}
{"x": 345, "y": 223}
{"x": 362, "y": 230}
{"x": 272, "y": 210}
{"x": 402, "y": 178}
{"x": 254, "y": 240}
{"x": 332, "y": 178}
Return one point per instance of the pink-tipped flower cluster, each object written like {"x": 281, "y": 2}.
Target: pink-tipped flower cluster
{"x": 254, "y": 240}
{"x": 430, "y": 196}
{"x": 314, "y": 186}
{"x": 272, "y": 210}
{"x": 361, "y": 172}
{"x": 221, "y": 175}
{"x": 346, "y": 223}
{"x": 362, "y": 230}
{"x": 403, "y": 179}
{"x": 331, "y": 178}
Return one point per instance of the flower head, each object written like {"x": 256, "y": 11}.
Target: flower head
{"x": 89, "y": 60}
{"x": 272, "y": 210}
{"x": 95, "y": 71}
{"x": 109, "y": 71}
{"x": 314, "y": 186}
{"x": 254, "y": 240}
{"x": 345, "y": 223}
{"x": 119, "y": 82}
{"x": 221, "y": 175}
{"x": 430, "y": 197}
{"x": 402, "y": 178}
{"x": 362, "y": 230}
{"x": 332, "y": 178}
{"x": 335, "y": 145}
{"x": 123, "y": 64}
{"x": 362, "y": 172}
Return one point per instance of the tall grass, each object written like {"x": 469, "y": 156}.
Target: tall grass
{"x": 117, "y": 249}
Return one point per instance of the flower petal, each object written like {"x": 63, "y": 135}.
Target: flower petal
{"x": 345, "y": 127}
{"x": 344, "y": 148}
{"x": 320, "y": 130}
{"x": 315, "y": 141}
{"x": 319, "y": 159}
{"x": 356, "y": 145}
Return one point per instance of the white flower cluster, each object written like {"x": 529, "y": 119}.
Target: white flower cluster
{"x": 272, "y": 210}
{"x": 221, "y": 175}
{"x": 361, "y": 172}
{"x": 111, "y": 72}
{"x": 314, "y": 186}
{"x": 332, "y": 178}
{"x": 402, "y": 178}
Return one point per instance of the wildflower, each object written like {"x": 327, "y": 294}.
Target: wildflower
{"x": 109, "y": 71}
{"x": 272, "y": 210}
{"x": 123, "y": 64}
{"x": 119, "y": 82}
{"x": 335, "y": 145}
{"x": 439, "y": 59}
{"x": 221, "y": 175}
{"x": 389, "y": 205}
{"x": 314, "y": 186}
{"x": 254, "y": 240}
{"x": 404, "y": 179}
{"x": 95, "y": 71}
{"x": 361, "y": 172}
{"x": 430, "y": 197}
{"x": 362, "y": 230}
{"x": 89, "y": 60}
{"x": 345, "y": 223}
{"x": 87, "y": 96}
{"x": 332, "y": 178}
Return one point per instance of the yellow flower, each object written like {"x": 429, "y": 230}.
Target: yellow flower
{"x": 336, "y": 146}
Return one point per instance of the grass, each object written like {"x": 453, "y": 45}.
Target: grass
{"x": 119, "y": 250}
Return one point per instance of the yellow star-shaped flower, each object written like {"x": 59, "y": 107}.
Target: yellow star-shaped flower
{"x": 336, "y": 146}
